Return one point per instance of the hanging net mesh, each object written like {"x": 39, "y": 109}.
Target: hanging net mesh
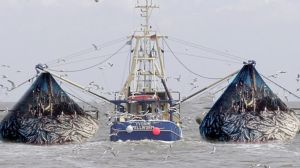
{"x": 248, "y": 111}
{"x": 47, "y": 115}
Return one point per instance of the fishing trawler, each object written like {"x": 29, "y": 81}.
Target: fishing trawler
{"x": 145, "y": 108}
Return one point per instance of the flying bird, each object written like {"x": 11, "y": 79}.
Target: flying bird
{"x": 178, "y": 78}
{"x": 168, "y": 77}
{"x": 282, "y": 72}
{"x": 12, "y": 84}
{"x": 5, "y": 66}
{"x": 95, "y": 46}
{"x": 99, "y": 87}
{"x": 213, "y": 151}
{"x": 274, "y": 75}
{"x": 110, "y": 64}
{"x": 196, "y": 86}
{"x": 91, "y": 83}
{"x": 60, "y": 60}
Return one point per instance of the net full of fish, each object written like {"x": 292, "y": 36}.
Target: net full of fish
{"x": 248, "y": 111}
{"x": 47, "y": 115}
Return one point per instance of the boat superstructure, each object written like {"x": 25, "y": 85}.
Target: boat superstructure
{"x": 144, "y": 108}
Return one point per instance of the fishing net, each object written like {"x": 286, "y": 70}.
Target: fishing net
{"x": 47, "y": 115}
{"x": 248, "y": 111}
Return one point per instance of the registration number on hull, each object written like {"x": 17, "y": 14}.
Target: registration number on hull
{"x": 142, "y": 126}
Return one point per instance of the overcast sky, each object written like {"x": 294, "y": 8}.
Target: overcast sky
{"x": 39, "y": 31}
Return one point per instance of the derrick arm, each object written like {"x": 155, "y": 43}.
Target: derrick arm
{"x": 43, "y": 68}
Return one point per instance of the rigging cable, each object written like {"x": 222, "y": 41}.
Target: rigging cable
{"x": 125, "y": 66}
{"x": 209, "y": 58}
{"x": 208, "y": 87}
{"x": 28, "y": 80}
{"x": 77, "y": 97}
{"x": 87, "y": 59}
{"x": 281, "y": 87}
{"x": 88, "y": 50}
{"x": 208, "y": 49}
{"x": 90, "y": 67}
{"x": 185, "y": 67}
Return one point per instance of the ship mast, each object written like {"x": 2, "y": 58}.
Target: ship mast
{"x": 147, "y": 66}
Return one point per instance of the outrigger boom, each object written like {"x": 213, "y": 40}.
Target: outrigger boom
{"x": 43, "y": 68}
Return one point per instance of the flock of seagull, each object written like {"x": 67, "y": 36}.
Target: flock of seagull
{"x": 10, "y": 85}
{"x": 7, "y": 85}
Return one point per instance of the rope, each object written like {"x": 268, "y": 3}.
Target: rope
{"x": 208, "y": 87}
{"x": 209, "y": 58}
{"x": 185, "y": 67}
{"x": 88, "y": 50}
{"x": 76, "y": 97}
{"x": 23, "y": 83}
{"x": 90, "y": 67}
{"x": 208, "y": 49}
{"x": 281, "y": 87}
{"x": 87, "y": 59}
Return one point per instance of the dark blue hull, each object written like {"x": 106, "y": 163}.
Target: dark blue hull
{"x": 144, "y": 130}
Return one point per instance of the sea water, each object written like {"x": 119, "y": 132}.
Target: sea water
{"x": 192, "y": 151}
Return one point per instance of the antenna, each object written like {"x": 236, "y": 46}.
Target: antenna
{"x": 146, "y": 8}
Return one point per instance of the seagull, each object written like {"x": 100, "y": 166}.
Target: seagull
{"x": 98, "y": 87}
{"x": 110, "y": 64}
{"x": 12, "y": 84}
{"x": 112, "y": 151}
{"x": 87, "y": 88}
{"x": 213, "y": 151}
{"x": 168, "y": 77}
{"x": 298, "y": 78}
{"x": 178, "y": 78}
{"x": 282, "y": 72}
{"x": 60, "y": 60}
{"x": 5, "y": 66}
{"x": 196, "y": 86}
{"x": 101, "y": 68}
{"x": 63, "y": 75}
{"x": 91, "y": 83}
{"x": 274, "y": 75}
{"x": 115, "y": 154}
{"x": 95, "y": 46}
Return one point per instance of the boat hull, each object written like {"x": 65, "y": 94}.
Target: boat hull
{"x": 145, "y": 130}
